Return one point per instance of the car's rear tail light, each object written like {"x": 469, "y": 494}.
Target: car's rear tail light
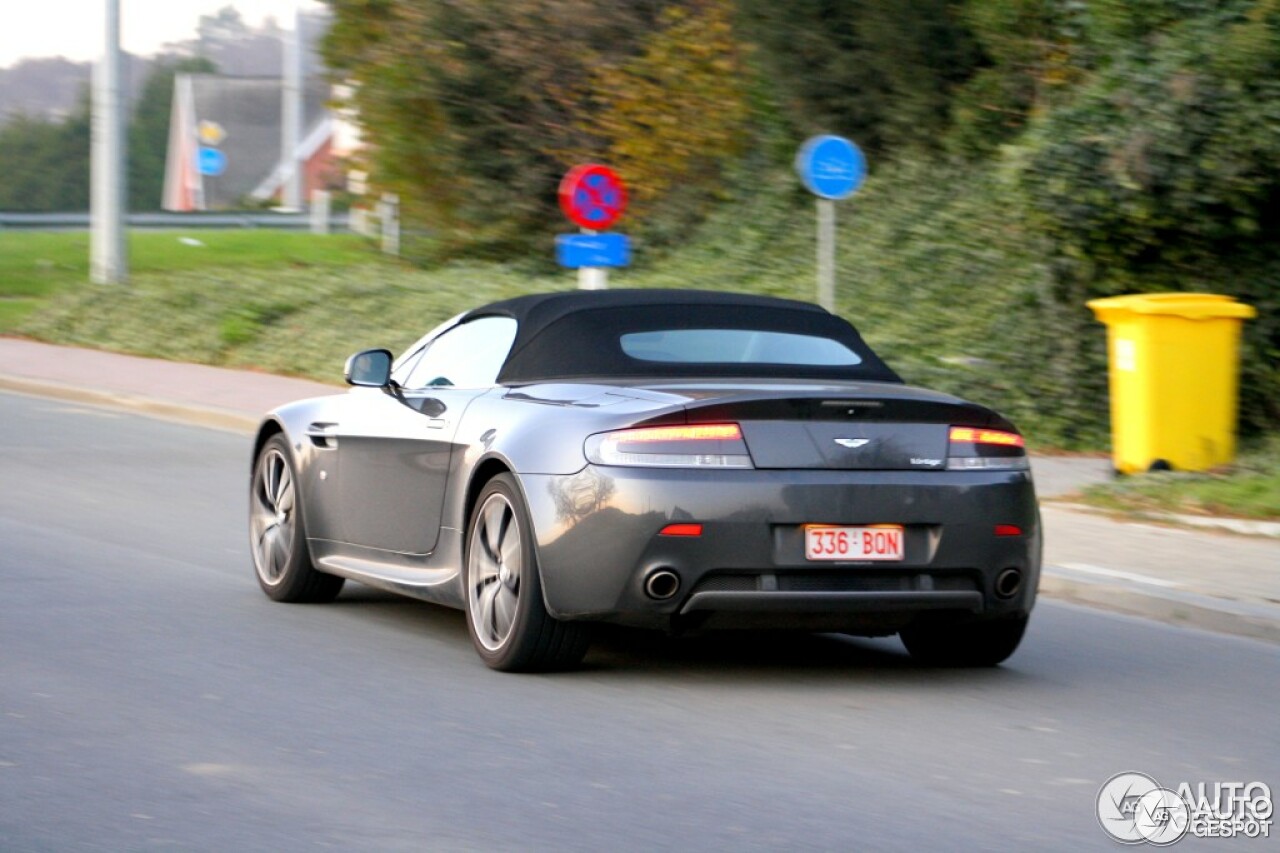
{"x": 979, "y": 449}
{"x": 971, "y": 435}
{"x": 1008, "y": 530}
{"x": 690, "y": 446}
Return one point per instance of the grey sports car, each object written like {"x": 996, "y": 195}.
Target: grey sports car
{"x": 674, "y": 459}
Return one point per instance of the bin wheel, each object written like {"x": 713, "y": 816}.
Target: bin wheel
{"x": 1160, "y": 465}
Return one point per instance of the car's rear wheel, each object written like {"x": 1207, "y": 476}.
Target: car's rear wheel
{"x": 967, "y": 644}
{"x": 277, "y": 538}
{"x": 506, "y": 617}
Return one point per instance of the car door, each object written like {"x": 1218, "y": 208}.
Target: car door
{"x": 395, "y": 449}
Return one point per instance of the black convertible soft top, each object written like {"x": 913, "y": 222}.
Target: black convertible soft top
{"x": 575, "y": 334}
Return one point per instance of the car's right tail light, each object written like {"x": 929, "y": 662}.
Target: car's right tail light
{"x": 686, "y": 446}
{"x": 980, "y": 449}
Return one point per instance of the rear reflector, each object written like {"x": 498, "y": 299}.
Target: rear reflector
{"x": 972, "y": 435}
{"x": 1008, "y": 530}
{"x": 681, "y": 530}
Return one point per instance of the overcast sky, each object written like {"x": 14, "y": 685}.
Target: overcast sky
{"x": 74, "y": 28}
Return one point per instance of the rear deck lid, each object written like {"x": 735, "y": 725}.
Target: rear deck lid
{"x": 862, "y": 426}
{"x": 846, "y": 446}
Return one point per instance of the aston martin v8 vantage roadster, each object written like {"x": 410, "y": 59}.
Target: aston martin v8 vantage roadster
{"x": 672, "y": 459}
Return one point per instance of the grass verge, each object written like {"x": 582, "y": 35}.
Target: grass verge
{"x": 35, "y": 266}
{"x": 1249, "y": 488}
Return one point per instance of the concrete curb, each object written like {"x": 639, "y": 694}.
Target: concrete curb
{"x": 1252, "y": 620}
{"x": 1242, "y": 526}
{"x": 180, "y": 412}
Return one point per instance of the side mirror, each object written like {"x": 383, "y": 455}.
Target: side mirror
{"x": 369, "y": 368}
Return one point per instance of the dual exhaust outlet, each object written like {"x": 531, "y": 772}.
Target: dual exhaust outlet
{"x": 662, "y": 584}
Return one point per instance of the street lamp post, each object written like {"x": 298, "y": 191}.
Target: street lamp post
{"x": 291, "y": 124}
{"x": 108, "y": 258}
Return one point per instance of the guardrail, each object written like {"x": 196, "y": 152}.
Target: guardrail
{"x": 76, "y": 221}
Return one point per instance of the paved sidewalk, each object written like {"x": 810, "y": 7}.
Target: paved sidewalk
{"x": 195, "y": 393}
{"x": 1219, "y": 581}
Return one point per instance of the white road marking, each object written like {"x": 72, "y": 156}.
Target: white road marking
{"x": 1119, "y": 575}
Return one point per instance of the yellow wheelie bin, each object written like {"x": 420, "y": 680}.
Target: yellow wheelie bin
{"x": 1174, "y": 375}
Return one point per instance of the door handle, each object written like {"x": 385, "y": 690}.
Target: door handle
{"x": 437, "y": 423}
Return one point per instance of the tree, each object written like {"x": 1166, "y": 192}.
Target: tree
{"x": 46, "y": 162}
{"x": 879, "y": 71}
{"x": 1032, "y": 51}
{"x": 672, "y": 115}
{"x": 473, "y": 107}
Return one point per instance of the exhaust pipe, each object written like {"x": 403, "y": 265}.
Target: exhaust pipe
{"x": 661, "y": 584}
{"x": 1008, "y": 582}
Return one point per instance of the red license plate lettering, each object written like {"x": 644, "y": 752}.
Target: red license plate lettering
{"x": 876, "y": 542}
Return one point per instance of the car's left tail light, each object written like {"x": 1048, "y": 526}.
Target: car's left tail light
{"x": 688, "y": 446}
{"x": 978, "y": 449}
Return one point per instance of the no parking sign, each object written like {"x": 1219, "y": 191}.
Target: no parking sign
{"x": 593, "y": 196}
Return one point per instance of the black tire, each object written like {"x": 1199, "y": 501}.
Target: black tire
{"x": 967, "y": 644}
{"x": 506, "y": 616}
{"x": 277, "y": 538}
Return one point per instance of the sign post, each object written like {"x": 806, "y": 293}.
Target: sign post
{"x": 593, "y": 197}
{"x": 832, "y": 168}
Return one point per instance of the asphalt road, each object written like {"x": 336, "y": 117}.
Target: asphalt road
{"x": 152, "y": 698}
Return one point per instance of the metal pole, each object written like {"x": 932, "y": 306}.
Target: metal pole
{"x": 592, "y": 278}
{"x": 389, "y": 220}
{"x": 827, "y": 254}
{"x": 319, "y": 212}
{"x": 108, "y": 255}
{"x": 291, "y": 116}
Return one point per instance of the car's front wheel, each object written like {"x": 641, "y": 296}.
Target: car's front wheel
{"x": 508, "y": 621}
{"x": 966, "y": 644}
{"x": 277, "y": 538}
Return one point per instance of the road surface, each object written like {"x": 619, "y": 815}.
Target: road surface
{"x": 152, "y": 698}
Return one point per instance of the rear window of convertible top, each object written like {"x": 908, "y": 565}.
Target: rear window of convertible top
{"x": 736, "y": 346}
{"x": 694, "y": 340}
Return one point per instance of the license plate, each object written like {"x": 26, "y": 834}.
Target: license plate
{"x": 874, "y": 542}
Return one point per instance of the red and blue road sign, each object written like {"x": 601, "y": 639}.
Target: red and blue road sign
{"x": 593, "y": 196}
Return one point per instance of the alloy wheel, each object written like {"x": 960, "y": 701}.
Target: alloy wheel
{"x": 272, "y": 516}
{"x": 494, "y": 572}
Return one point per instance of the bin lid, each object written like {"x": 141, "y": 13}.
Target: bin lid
{"x": 1191, "y": 306}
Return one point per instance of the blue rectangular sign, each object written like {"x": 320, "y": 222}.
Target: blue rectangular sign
{"x": 593, "y": 250}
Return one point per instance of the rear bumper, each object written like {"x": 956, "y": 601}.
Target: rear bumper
{"x": 598, "y": 539}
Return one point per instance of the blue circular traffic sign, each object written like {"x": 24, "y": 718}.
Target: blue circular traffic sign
{"x": 831, "y": 166}
{"x": 211, "y": 162}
